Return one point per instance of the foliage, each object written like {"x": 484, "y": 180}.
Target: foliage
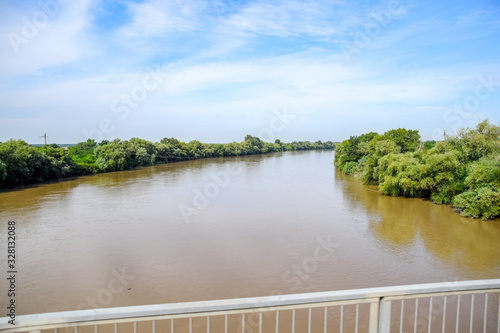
{"x": 429, "y": 144}
{"x": 3, "y": 171}
{"x": 349, "y": 168}
{"x": 83, "y": 155}
{"x": 353, "y": 149}
{"x": 463, "y": 170}
{"x": 408, "y": 140}
{"x": 400, "y": 174}
{"x": 478, "y": 142}
{"x": 484, "y": 173}
{"x": 483, "y": 202}
{"x": 482, "y": 198}
{"x": 23, "y": 164}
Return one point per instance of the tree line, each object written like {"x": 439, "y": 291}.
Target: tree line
{"x": 463, "y": 170}
{"x": 21, "y": 163}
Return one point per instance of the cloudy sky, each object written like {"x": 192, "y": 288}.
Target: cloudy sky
{"x": 218, "y": 70}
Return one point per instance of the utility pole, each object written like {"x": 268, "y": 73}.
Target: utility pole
{"x": 44, "y": 136}
{"x": 445, "y": 134}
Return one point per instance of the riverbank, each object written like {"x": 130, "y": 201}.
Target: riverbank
{"x": 463, "y": 170}
{"x": 22, "y": 164}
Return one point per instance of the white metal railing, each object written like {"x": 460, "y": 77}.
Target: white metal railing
{"x": 381, "y": 304}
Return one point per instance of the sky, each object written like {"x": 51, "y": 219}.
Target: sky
{"x": 217, "y": 70}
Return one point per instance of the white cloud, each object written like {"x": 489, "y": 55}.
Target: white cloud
{"x": 288, "y": 18}
{"x": 313, "y": 81}
{"x": 306, "y": 76}
{"x": 37, "y": 38}
{"x": 158, "y": 17}
{"x": 219, "y": 60}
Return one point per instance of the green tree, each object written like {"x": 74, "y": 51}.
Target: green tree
{"x": 3, "y": 171}
{"x": 377, "y": 148}
{"x": 61, "y": 162}
{"x": 464, "y": 170}
{"x": 195, "y": 149}
{"x": 443, "y": 176}
{"x": 480, "y": 141}
{"x": 483, "y": 202}
{"x": 408, "y": 140}
{"x": 24, "y": 164}
{"x": 113, "y": 157}
{"x": 482, "y": 198}
{"x": 429, "y": 144}
{"x": 21, "y": 164}
{"x": 400, "y": 174}
{"x": 83, "y": 155}
{"x": 253, "y": 144}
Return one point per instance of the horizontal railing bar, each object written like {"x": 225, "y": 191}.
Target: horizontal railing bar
{"x": 192, "y": 308}
{"x": 438, "y": 294}
{"x": 195, "y": 315}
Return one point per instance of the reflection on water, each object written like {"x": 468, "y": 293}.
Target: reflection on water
{"x": 465, "y": 243}
{"x": 284, "y": 223}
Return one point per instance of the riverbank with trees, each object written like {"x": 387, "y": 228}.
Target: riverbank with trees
{"x": 21, "y": 163}
{"x": 463, "y": 170}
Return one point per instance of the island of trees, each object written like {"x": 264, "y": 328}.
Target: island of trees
{"x": 21, "y": 163}
{"x": 463, "y": 170}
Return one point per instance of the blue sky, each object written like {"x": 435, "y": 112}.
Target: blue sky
{"x": 218, "y": 70}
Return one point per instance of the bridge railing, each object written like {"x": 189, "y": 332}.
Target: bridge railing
{"x": 463, "y": 306}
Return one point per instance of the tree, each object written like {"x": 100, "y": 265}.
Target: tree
{"x": 376, "y": 148}
{"x": 143, "y": 152}
{"x": 408, "y": 140}
{"x": 24, "y": 164}
{"x": 21, "y": 164}
{"x": 484, "y": 173}
{"x": 482, "y": 198}
{"x": 483, "y": 202}
{"x": 444, "y": 172}
{"x": 480, "y": 141}
{"x": 3, "y": 171}
{"x": 253, "y": 144}
{"x": 233, "y": 149}
{"x": 464, "y": 170}
{"x": 142, "y": 156}
{"x": 400, "y": 174}
{"x": 83, "y": 155}
{"x": 195, "y": 149}
{"x": 429, "y": 144}
{"x": 61, "y": 161}
{"x": 112, "y": 157}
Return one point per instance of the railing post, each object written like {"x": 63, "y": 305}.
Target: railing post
{"x": 373, "y": 325}
{"x": 384, "y": 318}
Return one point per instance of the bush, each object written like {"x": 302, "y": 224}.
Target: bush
{"x": 22, "y": 164}
{"x": 400, "y": 175}
{"x": 484, "y": 173}
{"x": 350, "y": 168}
{"x": 468, "y": 164}
{"x": 484, "y": 203}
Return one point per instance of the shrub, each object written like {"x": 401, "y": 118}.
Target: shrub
{"x": 350, "y": 168}
{"x": 484, "y": 202}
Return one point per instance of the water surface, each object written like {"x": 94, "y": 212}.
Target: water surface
{"x": 252, "y": 226}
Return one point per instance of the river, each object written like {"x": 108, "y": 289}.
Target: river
{"x": 227, "y": 228}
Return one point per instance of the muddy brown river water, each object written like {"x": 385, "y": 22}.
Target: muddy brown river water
{"x": 227, "y": 228}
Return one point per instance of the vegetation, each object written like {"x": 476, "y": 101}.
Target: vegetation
{"x": 462, "y": 170}
{"x": 21, "y": 163}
